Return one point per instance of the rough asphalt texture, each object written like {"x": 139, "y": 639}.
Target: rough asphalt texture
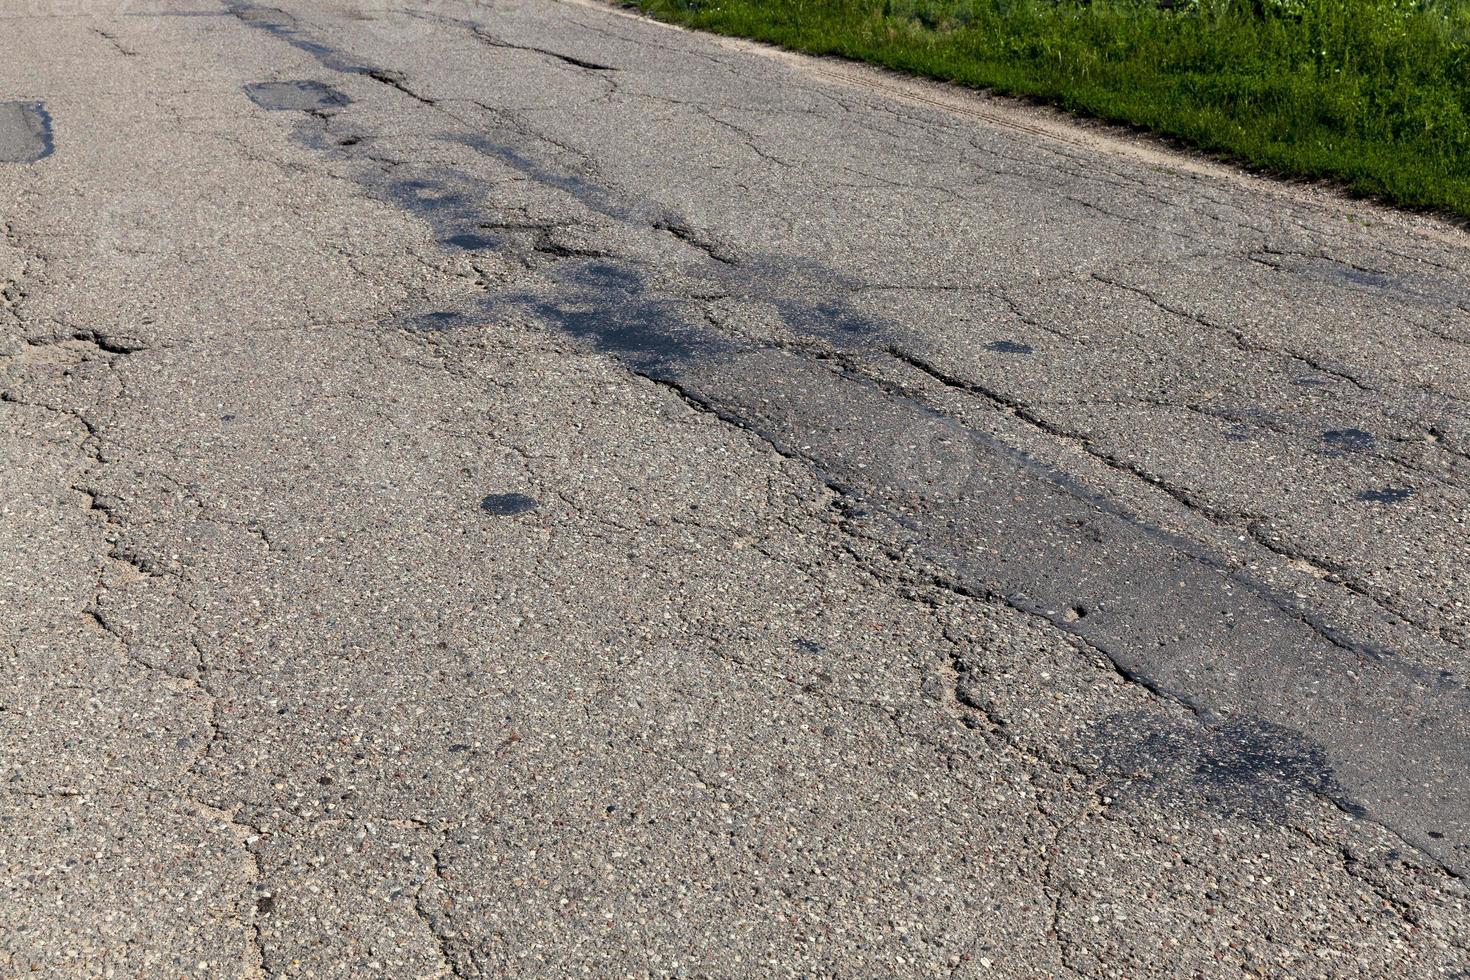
{"x": 520, "y": 490}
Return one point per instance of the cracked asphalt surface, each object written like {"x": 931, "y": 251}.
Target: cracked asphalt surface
{"x": 518, "y": 489}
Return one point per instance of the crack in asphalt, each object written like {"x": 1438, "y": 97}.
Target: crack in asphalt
{"x": 111, "y": 350}
{"x": 115, "y": 43}
{"x": 1237, "y": 336}
{"x": 434, "y": 921}
{"x": 1251, "y": 524}
{"x": 495, "y": 42}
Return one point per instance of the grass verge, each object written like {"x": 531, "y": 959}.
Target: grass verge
{"x": 1371, "y": 94}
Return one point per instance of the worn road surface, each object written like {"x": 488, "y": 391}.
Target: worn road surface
{"x": 516, "y": 489}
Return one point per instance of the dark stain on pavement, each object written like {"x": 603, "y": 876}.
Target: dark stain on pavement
{"x": 826, "y": 318}
{"x": 761, "y": 280}
{"x": 602, "y": 275}
{"x": 25, "y": 132}
{"x": 507, "y": 504}
{"x": 281, "y": 25}
{"x": 299, "y": 96}
{"x": 429, "y": 198}
{"x": 1365, "y": 277}
{"x": 472, "y": 243}
{"x": 1348, "y": 441}
{"x": 645, "y": 332}
{"x": 1010, "y": 347}
{"x": 1386, "y": 495}
{"x": 437, "y": 320}
{"x": 1243, "y": 766}
{"x": 588, "y": 193}
{"x": 607, "y": 304}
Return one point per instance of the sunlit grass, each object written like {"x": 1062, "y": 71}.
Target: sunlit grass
{"x": 1373, "y": 94}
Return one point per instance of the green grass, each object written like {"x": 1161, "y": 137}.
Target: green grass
{"x": 1371, "y": 94}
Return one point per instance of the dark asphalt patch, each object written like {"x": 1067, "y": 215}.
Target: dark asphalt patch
{"x": 1241, "y": 644}
{"x": 1010, "y": 347}
{"x": 301, "y": 96}
{"x": 589, "y": 194}
{"x": 507, "y": 504}
{"x": 1242, "y": 767}
{"x": 647, "y": 334}
{"x": 602, "y": 276}
{"x": 436, "y": 320}
{"x": 827, "y": 318}
{"x": 605, "y": 303}
{"x": 472, "y": 243}
{"x": 281, "y": 25}
{"x": 429, "y": 197}
{"x": 1424, "y": 291}
{"x": 25, "y": 132}
{"x": 1348, "y": 441}
{"x": 1365, "y": 277}
{"x": 1387, "y": 495}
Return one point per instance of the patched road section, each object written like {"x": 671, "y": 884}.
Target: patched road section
{"x": 25, "y": 132}
{"x": 528, "y": 491}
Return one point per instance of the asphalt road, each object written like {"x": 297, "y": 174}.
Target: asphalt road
{"x": 516, "y": 489}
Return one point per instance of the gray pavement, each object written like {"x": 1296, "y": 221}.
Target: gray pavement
{"x": 521, "y": 490}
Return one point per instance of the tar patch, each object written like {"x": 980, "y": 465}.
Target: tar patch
{"x": 472, "y": 243}
{"x": 25, "y": 132}
{"x": 507, "y": 504}
{"x": 1348, "y": 440}
{"x": 1387, "y": 495}
{"x": 1245, "y": 767}
{"x": 304, "y": 96}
